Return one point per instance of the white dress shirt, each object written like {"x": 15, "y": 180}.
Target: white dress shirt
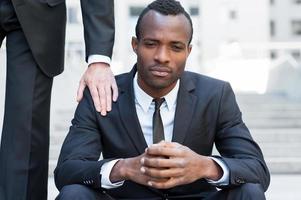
{"x": 145, "y": 108}
{"x": 95, "y": 58}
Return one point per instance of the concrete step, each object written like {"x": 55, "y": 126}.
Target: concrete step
{"x": 281, "y": 150}
{"x": 291, "y": 165}
{"x": 272, "y": 114}
{"x": 51, "y": 166}
{"x": 288, "y": 135}
{"x": 54, "y": 152}
{"x": 259, "y": 98}
{"x": 272, "y": 123}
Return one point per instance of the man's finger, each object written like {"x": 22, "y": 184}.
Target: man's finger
{"x": 108, "y": 94}
{"x": 95, "y": 97}
{"x": 162, "y": 172}
{"x": 114, "y": 90}
{"x": 163, "y": 162}
{"x": 102, "y": 98}
{"x": 80, "y": 90}
{"x": 164, "y": 151}
{"x": 172, "y": 182}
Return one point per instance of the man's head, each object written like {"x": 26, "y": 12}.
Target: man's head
{"x": 165, "y": 7}
{"x": 162, "y": 44}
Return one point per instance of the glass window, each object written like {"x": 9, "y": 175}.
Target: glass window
{"x": 233, "y": 14}
{"x": 135, "y": 11}
{"x": 194, "y": 11}
{"x": 273, "y": 55}
{"x": 297, "y": 1}
{"x": 296, "y": 27}
{"x": 272, "y": 28}
{"x": 296, "y": 54}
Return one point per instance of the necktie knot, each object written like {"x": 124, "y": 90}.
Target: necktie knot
{"x": 158, "y": 102}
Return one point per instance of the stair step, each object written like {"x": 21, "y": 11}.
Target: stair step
{"x": 276, "y": 135}
{"x": 281, "y": 150}
{"x": 272, "y": 114}
{"x": 273, "y": 123}
{"x": 284, "y": 165}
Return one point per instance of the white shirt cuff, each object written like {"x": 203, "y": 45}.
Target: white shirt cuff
{"x": 224, "y": 180}
{"x": 105, "y": 175}
{"x": 98, "y": 58}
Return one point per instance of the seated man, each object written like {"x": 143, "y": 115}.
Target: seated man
{"x": 157, "y": 141}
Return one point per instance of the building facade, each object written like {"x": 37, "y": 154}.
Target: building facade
{"x": 229, "y": 36}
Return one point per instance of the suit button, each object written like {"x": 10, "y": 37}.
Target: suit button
{"x": 239, "y": 180}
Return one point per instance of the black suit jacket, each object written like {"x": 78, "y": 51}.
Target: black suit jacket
{"x": 206, "y": 114}
{"x": 44, "y": 24}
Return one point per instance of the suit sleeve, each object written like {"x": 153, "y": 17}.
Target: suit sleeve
{"x": 99, "y": 28}
{"x": 238, "y": 150}
{"x": 79, "y": 158}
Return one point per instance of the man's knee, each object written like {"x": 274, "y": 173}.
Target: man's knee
{"x": 248, "y": 191}
{"x": 75, "y": 192}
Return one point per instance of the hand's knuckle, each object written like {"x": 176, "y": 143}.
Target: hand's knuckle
{"x": 182, "y": 163}
{"x": 90, "y": 81}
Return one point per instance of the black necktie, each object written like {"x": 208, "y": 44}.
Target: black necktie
{"x": 158, "y": 131}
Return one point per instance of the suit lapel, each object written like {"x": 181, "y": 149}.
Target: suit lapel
{"x": 128, "y": 114}
{"x": 185, "y": 107}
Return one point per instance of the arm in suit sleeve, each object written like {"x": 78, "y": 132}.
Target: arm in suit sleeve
{"x": 79, "y": 158}
{"x": 99, "y": 29}
{"x": 237, "y": 148}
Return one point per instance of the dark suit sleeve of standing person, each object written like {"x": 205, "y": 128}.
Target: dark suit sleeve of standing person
{"x": 99, "y": 29}
{"x": 237, "y": 148}
{"x": 79, "y": 157}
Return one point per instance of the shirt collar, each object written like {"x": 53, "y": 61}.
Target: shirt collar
{"x": 144, "y": 100}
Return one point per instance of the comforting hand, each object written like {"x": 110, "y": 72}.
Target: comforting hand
{"x": 178, "y": 164}
{"x": 102, "y": 85}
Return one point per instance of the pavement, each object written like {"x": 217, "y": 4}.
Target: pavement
{"x": 283, "y": 186}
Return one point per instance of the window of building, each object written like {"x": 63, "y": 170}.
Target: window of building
{"x": 296, "y": 54}
{"x": 194, "y": 11}
{"x": 233, "y": 14}
{"x": 135, "y": 11}
{"x": 73, "y": 15}
{"x": 297, "y": 1}
{"x": 75, "y": 50}
{"x": 296, "y": 27}
{"x": 273, "y": 55}
{"x": 272, "y": 28}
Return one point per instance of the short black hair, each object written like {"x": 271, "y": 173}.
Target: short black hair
{"x": 165, "y": 7}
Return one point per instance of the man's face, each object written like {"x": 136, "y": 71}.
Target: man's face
{"x": 161, "y": 51}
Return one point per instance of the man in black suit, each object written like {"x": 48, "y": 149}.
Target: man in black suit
{"x": 155, "y": 150}
{"x": 35, "y": 39}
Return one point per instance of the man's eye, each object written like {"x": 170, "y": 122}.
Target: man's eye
{"x": 177, "y": 48}
{"x": 149, "y": 44}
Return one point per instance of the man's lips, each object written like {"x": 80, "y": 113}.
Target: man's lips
{"x": 160, "y": 71}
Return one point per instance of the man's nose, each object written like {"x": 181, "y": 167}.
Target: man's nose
{"x": 162, "y": 55}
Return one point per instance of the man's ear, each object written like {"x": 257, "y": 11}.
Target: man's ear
{"x": 134, "y": 44}
{"x": 189, "y": 48}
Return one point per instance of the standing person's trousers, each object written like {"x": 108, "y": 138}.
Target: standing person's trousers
{"x": 24, "y": 147}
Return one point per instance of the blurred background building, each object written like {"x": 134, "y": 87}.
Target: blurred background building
{"x": 253, "y": 44}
